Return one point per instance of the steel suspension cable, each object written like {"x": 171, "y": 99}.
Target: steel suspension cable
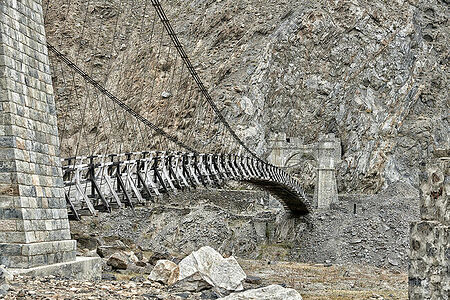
{"x": 116, "y": 100}
{"x": 165, "y": 21}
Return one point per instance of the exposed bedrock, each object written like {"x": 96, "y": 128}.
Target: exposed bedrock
{"x": 373, "y": 73}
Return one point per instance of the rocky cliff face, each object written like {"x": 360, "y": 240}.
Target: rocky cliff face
{"x": 372, "y": 72}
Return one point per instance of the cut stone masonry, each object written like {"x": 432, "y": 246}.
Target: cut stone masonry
{"x": 34, "y": 228}
{"x": 288, "y": 151}
{"x": 429, "y": 270}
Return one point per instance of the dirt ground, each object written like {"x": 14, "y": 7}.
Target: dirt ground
{"x": 335, "y": 282}
{"x": 313, "y": 281}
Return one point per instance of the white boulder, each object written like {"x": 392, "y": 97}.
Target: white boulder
{"x": 191, "y": 283}
{"x": 221, "y": 273}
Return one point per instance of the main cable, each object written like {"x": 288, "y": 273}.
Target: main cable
{"x": 116, "y": 100}
{"x": 162, "y": 16}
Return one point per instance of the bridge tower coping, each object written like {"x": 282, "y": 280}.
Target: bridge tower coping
{"x": 34, "y": 227}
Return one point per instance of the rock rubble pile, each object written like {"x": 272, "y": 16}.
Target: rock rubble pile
{"x": 313, "y": 281}
{"x": 206, "y": 269}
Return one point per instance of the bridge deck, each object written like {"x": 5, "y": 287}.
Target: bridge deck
{"x": 100, "y": 183}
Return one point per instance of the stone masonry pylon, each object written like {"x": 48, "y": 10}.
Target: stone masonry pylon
{"x": 34, "y": 228}
{"x": 327, "y": 153}
{"x": 328, "y": 156}
{"x": 429, "y": 269}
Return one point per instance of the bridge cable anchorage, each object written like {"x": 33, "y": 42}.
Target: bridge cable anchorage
{"x": 116, "y": 100}
{"x": 180, "y": 49}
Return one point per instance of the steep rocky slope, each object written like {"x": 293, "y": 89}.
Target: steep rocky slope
{"x": 372, "y": 72}
{"x": 364, "y": 230}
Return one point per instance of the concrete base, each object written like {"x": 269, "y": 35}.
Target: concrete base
{"x": 37, "y": 254}
{"x": 83, "y": 268}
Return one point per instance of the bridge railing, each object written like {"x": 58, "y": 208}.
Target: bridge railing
{"x": 102, "y": 182}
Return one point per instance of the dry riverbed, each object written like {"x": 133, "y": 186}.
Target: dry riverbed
{"x": 313, "y": 281}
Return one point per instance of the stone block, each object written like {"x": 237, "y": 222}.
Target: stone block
{"x": 37, "y": 249}
{"x": 12, "y": 237}
{"x": 83, "y": 268}
{"x": 8, "y": 225}
{"x": 36, "y": 254}
{"x": 10, "y": 249}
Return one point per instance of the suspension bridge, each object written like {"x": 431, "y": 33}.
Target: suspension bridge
{"x": 134, "y": 117}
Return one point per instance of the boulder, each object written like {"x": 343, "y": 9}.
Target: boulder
{"x": 221, "y": 273}
{"x": 188, "y": 266}
{"x": 191, "y": 283}
{"x": 90, "y": 253}
{"x": 165, "y": 271}
{"x": 118, "y": 261}
{"x": 131, "y": 256}
{"x": 107, "y": 251}
{"x": 253, "y": 279}
{"x": 227, "y": 274}
{"x": 166, "y": 95}
{"x": 271, "y": 292}
{"x": 153, "y": 259}
{"x": 87, "y": 241}
{"x": 141, "y": 264}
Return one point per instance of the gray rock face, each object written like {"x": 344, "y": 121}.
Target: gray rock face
{"x": 271, "y": 292}
{"x": 221, "y": 273}
{"x": 372, "y": 72}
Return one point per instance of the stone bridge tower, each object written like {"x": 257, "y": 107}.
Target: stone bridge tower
{"x": 34, "y": 228}
{"x": 429, "y": 269}
{"x": 288, "y": 151}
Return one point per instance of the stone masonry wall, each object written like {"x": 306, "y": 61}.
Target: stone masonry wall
{"x": 429, "y": 271}
{"x": 34, "y": 229}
